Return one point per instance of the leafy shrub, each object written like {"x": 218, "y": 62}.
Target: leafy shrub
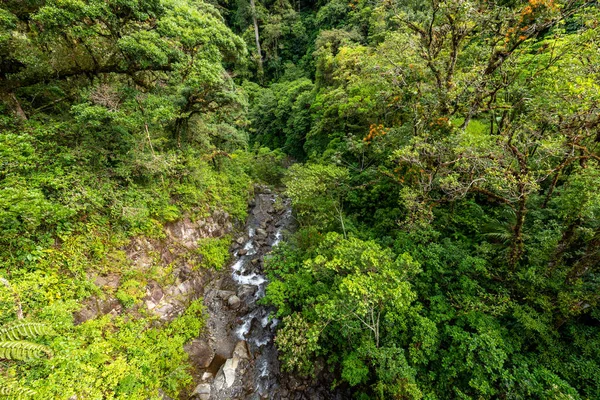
{"x": 214, "y": 252}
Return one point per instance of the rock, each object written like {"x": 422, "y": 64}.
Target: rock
{"x": 207, "y": 376}
{"x": 234, "y": 302}
{"x": 246, "y": 290}
{"x": 229, "y": 371}
{"x": 165, "y": 312}
{"x": 225, "y": 294}
{"x": 109, "y": 306}
{"x": 202, "y": 391}
{"x": 185, "y": 287}
{"x": 84, "y": 315}
{"x": 242, "y": 252}
{"x": 184, "y": 273}
{"x": 110, "y": 281}
{"x": 200, "y": 353}
{"x": 241, "y": 240}
{"x": 241, "y": 350}
{"x": 154, "y": 293}
{"x": 261, "y": 232}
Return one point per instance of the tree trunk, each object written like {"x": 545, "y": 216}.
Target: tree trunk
{"x": 517, "y": 246}
{"x": 257, "y": 37}
{"x": 12, "y": 104}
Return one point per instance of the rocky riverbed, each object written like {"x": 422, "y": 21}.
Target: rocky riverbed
{"x": 236, "y": 358}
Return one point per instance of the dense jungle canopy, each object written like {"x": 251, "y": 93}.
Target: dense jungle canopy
{"x": 442, "y": 159}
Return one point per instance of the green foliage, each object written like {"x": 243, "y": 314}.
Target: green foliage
{"x": 265, "y": 165}
{"x": 10, "y": 389}
{"x": 317, "y": 192}
{"x": 214, "y": 252}
{"x": 298, "y": 342}
{"x": 280, "y": 116}
{"x": 22, "y": 350}
{"x": 357, "y": 290}
{"x": 13, "y": 348}
{"x": 453, "y": 132}
{"x": 20, "y": 330}
{"x": 447, "y": 242}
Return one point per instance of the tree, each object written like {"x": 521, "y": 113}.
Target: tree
{"x": 148, "y": 42}
{"x": 360, "y": 294}
{"x": 317, "y": 193}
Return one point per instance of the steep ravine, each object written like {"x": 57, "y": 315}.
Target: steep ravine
{"x": 236, "y": 358}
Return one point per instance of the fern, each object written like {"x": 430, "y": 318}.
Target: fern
{"x": 12, "y": 347}
{"x": 501, "y": 230}
{"x": 22, "y": 330}
{"x": 22, "y": 350}
{"x": 10, "y": 389}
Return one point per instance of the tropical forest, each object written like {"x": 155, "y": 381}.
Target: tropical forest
{"x": 300, "y": 199}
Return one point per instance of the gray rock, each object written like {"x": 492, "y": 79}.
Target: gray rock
{"x": 229, "y": 371}
{"x": 200, "y": 353}
{"x": 202, "y": 391}
{"x": 184, "y": 273}
{"x": 241, "y": 350}
{"x": 242, "y": 252}
{"x": 154, "y": 292}
{"x": 111, "y": 281}
{"x": 246, "y": 290}
{"x": 241, "y": 240}
{"x": 261, "y": 232}
{"x": 84, "y": 315}
{"x": 234, "y": 302}
{"x": 225, "y": 294}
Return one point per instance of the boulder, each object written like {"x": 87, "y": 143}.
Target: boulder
{"x": 246, "y": 291}
{"x": 229, "y": 371}
{"x": 241, "y": 350}
{"x": 202, "y": 392}
{"x": 200, "y": 353}
{"x": 261, "y": 232}
{"x": 234, "y": 302}
{"x": 111, "y": 281}
{"x": 225, "y": 294}
{"x": 154, "y": 292}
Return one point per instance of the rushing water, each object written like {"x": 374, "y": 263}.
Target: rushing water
{"x": 264, "y": 230}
